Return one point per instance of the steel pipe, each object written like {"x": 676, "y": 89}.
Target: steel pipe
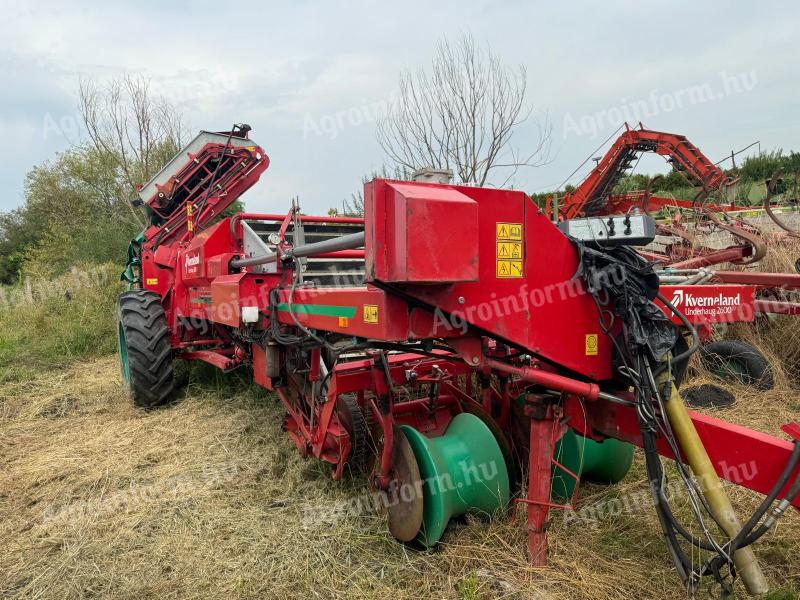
{"x": 304, "y": 218}
{"x": 345, "y": 242}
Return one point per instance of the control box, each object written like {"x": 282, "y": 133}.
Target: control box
{"x": 612, "y": 230}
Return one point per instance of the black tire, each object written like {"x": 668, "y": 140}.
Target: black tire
{"x": 707, "y": 396}
{"x": 144, "y": 340}
{"x": 737, "y": 361}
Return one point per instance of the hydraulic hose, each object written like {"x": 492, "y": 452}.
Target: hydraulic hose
{"x": 683, "y": 356}
{"x": 783, "y": 505}
{"x": 697, "y": 457}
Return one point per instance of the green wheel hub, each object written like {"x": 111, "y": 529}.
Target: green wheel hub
{"x": 602, "y": 462}
{"x": 461, "y": 471}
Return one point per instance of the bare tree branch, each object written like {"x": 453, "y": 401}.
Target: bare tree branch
{"x": 137, "y": 130}
{"x": 461, "y": 114}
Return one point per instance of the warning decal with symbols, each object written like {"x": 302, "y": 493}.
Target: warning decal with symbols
{"x": 370, "y": 313}
{"x": 591, "y": 344}
{"x": 510, "y": 250}
{"x": 509, "y": 231}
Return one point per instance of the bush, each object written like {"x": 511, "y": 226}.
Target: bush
{"x": 46, "y": 324}
{"x": 63, "y": 245}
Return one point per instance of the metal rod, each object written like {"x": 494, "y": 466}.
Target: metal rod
{"x": 345, "y": 242}
{"x": 304, "y": 218}
{"x": 589, "y": 391}
{"x": 702, "y": 467}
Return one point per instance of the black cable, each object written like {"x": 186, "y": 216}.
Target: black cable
{"x": 777, "y": 512}
{"x": 747, "y": 535}
{"x": 683, "y": 356}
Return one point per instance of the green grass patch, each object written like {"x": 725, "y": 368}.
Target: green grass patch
{"x": 50, "y": 323}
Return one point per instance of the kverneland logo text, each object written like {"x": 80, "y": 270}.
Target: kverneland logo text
{"x": 681, "y": 298}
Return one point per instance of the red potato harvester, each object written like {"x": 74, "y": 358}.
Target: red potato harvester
{"x": 449, "y": 343}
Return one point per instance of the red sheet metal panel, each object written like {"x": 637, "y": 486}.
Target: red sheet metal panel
{"x": 527, "y": 293}
{"x": 711, "y": 303}
{"x": 420, "y": 240}
{"x": 359, "y": 311}
{"x": 225, "y": 299}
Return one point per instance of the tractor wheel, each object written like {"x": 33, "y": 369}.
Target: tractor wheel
{"x": 734, "y": 360}
{"x": 145, "y": 351}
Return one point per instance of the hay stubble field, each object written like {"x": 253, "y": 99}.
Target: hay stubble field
{"x": 207, "y": 498}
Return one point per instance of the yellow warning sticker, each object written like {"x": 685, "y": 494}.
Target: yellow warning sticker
{"x": 509, "y": 268}
{"x": 370, "y": 313}
{"x": 344, "y": 322}
{"x": 591, "y": 344}
{"x": 510, "y": 250}
{"x": 506, "y": 250}
{"x": 509, "y": 231}
{"x": 152, "y": 281}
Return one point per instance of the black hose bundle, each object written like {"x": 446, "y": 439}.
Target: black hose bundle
{"x": 624, "y": 286}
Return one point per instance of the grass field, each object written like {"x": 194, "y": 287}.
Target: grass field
{"x": 207, "y": 498}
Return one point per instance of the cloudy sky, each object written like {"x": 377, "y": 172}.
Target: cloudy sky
{"x": 311, "y": 77}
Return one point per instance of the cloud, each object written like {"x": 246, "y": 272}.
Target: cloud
{"x": 276, "y": 66}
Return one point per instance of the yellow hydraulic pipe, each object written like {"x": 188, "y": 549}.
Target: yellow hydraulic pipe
{"x": 746, "y": 564}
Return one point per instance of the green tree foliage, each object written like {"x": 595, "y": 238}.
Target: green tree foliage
{"x": 763, "y": 166}
{"x": 77, "y": 206}
{"x": 76, "y": 210}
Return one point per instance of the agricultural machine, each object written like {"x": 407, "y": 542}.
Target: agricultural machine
{"x": 681, "y": 250}
{"x": 454, "y": 345}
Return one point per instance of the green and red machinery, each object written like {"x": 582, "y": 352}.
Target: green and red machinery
{"x": 451, "y": 344}
{"x": 686, "y": 255}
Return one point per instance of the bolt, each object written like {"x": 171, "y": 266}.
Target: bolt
{"x": 461, "y": 299}
{"x": 474, "y": 360}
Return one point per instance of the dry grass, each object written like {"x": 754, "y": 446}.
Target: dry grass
{"x": 208, "y": 498}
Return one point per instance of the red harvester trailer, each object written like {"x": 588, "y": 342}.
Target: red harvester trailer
{"x": 450, "y": 343}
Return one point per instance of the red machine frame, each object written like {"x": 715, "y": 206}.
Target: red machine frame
{"x": 457, "y": 277}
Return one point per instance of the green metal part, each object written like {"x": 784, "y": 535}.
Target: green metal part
{"x": 601, "y": 462}
{"x": 131, "y": 274}
{"x": 123, "y": 355}
{"x": 462, "y": 471}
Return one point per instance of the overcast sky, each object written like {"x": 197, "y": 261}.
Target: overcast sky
{"x": 311, "y": 77}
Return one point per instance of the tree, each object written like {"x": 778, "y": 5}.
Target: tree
{"x": 77, "y": 206}
{"x": 462, "y": 114}
{"x": 138, "y": 131}
{"x": 355, "y": 206}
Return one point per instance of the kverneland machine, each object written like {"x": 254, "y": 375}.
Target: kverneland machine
{"x": 453, "y": 344}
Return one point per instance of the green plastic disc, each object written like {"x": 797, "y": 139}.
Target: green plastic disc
{"x": 601, "y": 462}
{"x": 461, "y": 471}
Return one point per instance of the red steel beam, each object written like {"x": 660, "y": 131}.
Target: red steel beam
{"x": 734, "y": 254}
{"x": 777, "y": 308}
{"x": 748, "y": 458}
{"x": 784, "y": 280}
